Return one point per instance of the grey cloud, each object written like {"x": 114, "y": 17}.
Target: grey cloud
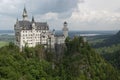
{"x": 57, "y": 6}
{"x": 34, "y": 7}
{"x": 65, "y": 15}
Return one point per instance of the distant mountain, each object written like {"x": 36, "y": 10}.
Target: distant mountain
{"x": 112, "y": 40}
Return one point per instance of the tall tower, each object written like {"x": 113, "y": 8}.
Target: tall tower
{"x": 33, "y": 23}
{"x": 65, "y": 29}
{"x": 25, "y": 16}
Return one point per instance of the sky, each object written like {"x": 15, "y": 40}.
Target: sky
{"x": 80, "y": 14}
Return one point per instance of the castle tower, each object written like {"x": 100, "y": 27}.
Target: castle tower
{"x": 53, "y": 31}
{"x": 33, "y": 20}
{"x": 65, "y": 29}
{"x": 25, "y": 16}
{"x": 17, "y": 20}
{"x": 33, "y": 23}
{"x": 33, "y": 32}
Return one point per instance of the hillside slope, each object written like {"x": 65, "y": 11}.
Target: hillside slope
{"x": 112, "y": 40}
{"x": 110, "y": 49}
{"x": 113, "y": 58}
{"x": 79, "y": 62}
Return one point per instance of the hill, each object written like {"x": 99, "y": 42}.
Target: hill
{"x": 111, "y": 40}
{"x": 113, "y": 58}
{"x": 78, "y": 62}
{"x": 109, "y": 49}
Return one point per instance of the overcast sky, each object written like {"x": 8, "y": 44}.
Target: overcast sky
{"x": 80, "y": 15}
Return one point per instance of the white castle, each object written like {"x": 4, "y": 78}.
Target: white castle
{"x": 32, "y": 33}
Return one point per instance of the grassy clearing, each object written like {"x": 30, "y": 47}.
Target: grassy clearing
{"x": 3, "y": 43}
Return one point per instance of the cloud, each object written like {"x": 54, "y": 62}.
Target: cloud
{"x": 85, "y": 18}
{"x": 90, "y": 15}
{"x": 10, "y": 6}
{"x": 86, "y": 15}
{"x": 110, "y": 5}
{"x": 46, "y": 6}
{"x": 42, "y": 9}
{"x": 47, "y": 16}
{"x": 7, "y": 22}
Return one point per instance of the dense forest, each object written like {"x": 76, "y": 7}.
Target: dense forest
{"x": 113, "y": 58}
{"x": 77, "y": 62}
{"x": 109, "y": 48}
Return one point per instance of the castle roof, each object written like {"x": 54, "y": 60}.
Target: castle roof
{"x": 65, "y": 22}
{"x": 27, "y": 25}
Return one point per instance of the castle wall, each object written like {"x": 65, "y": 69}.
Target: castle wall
{"x": 31, "y": 33}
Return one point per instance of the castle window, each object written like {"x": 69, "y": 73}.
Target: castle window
{"x": 43, "y": 36}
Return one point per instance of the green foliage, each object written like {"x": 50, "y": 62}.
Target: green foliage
{"x": 113, "y": 58}
{"x": 83, "y": 63}
{"x": 79, "y": 62}
{"x": 3, "y": 43}
{"x": 109, "y": 48}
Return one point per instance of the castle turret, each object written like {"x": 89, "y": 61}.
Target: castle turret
{"x": 65, "y": 29}
{"x": 25, "y": 16}
{"x": 33, "y": 20}
{"x": 53, "y": 31}
{"x": 33, "y": 23}
{"x": 17, "y": 20}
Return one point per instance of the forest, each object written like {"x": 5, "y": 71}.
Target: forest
{"x": 79, "y": 61}
{"x": 109, "y": 49}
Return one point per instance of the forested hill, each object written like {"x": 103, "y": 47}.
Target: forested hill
{"x": 110, "y": 50}
{"x": 77, "y": 62}
{"x": 112, "y": 40}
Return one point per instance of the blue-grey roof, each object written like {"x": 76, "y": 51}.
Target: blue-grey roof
{"x": 28, "y": 25}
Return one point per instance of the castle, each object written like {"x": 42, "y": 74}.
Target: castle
{"x": 32, "y": 33}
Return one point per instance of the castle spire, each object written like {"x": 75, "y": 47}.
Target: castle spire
{"x": 33, "y": 23}
{"x": 25, "y": 16}
{"x": 33, "y": 19}
{"x": 17, "y": 20}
